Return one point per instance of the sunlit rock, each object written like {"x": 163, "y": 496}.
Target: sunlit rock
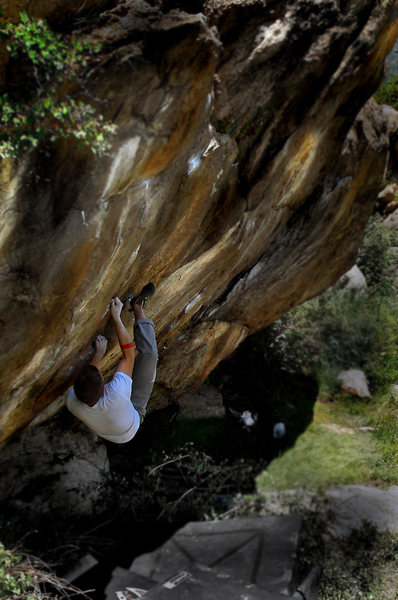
{"x": 388, "y": 194}
{"x": 246, "y": 164}
{"x": 355, "y": 382}
{"x": 354, "y": 279}
{"x": 388, "y": 198}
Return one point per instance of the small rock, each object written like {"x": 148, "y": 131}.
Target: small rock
{"x": 366, "y": 429}
{"x": 394, "y": 388}
{"x": 391, "y": 207}
{"x": 248, "y": 418}
{"x": 354, "y": 279}
{"x": 355, "y": 382}
{"x": 338, "y": 428}
{"x": 388, "y": 194}
{"x": 279, "y": 430}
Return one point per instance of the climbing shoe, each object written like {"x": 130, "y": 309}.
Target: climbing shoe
{"x": 147, "y": 291}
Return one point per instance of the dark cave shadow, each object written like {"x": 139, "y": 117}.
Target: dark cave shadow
{"x": 253, "y": 379}
{"x": 249, "y": 380}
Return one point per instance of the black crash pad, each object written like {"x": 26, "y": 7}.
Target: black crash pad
{"x": 127, "y": 585}
{"x": 202, "y": 583}
{"x": 260, "y": 551}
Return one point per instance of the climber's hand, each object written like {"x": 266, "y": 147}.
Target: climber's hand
{"x": 100, "y": 343}
{"x": 116, "y": 308}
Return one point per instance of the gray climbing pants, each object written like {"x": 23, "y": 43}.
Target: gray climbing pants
{"x": 144, "y": 372}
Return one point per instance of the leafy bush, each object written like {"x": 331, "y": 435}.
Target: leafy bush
{"x": 363, "y": 565}
{"x": 175, "y": 487}
{"x": 388, "y": 92}
{"x": 37, "y": 109}
{"x": 385, "y": 422}
{"x": 328, "y": 334}
{"x": 24, "y": 577}
{"x": 373, "y": 258}
{"x": 344, "y": 329}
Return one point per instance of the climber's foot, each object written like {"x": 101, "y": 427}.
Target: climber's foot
{"x": 141, "y": 299}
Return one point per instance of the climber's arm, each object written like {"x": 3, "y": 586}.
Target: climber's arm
{"x": 126, "y": 344}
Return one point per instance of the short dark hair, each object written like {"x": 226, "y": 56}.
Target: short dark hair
{"x": 89, "y": 385}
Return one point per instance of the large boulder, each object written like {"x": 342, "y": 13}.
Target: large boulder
{"x": 55, "y": 466}
{"x": 245, "y": 167}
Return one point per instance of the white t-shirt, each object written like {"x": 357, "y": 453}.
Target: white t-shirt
{"x": 114, "y": 418}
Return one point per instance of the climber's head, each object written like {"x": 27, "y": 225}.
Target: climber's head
{"x": 89, "y": 385}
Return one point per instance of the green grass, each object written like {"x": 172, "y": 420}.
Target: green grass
{"x": 325, "y": 454}
{"x": 319, "y": 459}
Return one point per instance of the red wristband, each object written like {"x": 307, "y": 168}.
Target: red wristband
{"x": 125, "y": 346}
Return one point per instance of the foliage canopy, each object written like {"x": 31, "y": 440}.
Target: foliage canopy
{"x": 40, "y": 106}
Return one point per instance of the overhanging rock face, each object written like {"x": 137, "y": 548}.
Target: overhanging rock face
{"x": 239, "y": 182}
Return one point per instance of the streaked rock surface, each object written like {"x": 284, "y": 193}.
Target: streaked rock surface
{"x": 243, "y": 172}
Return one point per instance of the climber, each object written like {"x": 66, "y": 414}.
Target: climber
{"x": 115, "y": 410}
